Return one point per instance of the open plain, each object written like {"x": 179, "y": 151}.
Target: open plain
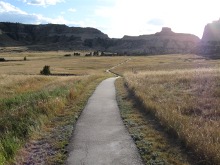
{"x": 180, "y": 92}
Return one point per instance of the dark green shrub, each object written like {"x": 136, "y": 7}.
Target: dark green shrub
{"x": 2, "y": 59}
{"x": 46, "y": 70}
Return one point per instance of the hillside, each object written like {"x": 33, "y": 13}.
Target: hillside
{"x": 49, "y": 36}
{"x": 164, "y": 42}
{"x": 210, "y": 43}
{"x": 62, "y": 37}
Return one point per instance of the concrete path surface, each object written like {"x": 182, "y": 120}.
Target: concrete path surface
{"x": 100, "y": 138}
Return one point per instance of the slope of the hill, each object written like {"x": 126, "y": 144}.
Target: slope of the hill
{"x": 164, "y": 42}
{"x": 62, "y": 37}
{"x": 52, "y": 35}
{"x": 210, "y": 43}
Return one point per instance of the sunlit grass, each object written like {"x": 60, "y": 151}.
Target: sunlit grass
{"x": 29, "y": 101}
{"x": 167, "y": 63}
{"x": 27, "y": 110}
{"x": 58, "y": 63}
{"x": 186, "y": 102}
{"x": 154, "y": 145}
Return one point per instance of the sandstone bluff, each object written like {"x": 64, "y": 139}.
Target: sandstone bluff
{"x": 61, "y": 37}
{"x": 210, "y": 43}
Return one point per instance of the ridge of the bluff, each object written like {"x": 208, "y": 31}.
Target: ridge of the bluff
{"x": 62, "y": 37}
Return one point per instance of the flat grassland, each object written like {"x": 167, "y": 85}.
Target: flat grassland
{"x": 183, "y": 93}
{"x": 33, "y": 106}
{"x": 58, "y": 62}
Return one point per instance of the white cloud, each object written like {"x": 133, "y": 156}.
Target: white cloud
{"x": 7, "y": 7}
{"x": 43, "y": 2}
{"x": 10, "y": 13}
{"x": 72, "y": 10}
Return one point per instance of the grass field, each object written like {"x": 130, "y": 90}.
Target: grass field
{"x": 57, "y": 62}
{"x": 26, "y": 111}
{"x": 183, "y": 93}
{"x": 29, "y": 102}
{"x": 154, "y": 144}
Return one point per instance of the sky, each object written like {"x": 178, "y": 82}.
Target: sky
{"x": 116, "y": 18}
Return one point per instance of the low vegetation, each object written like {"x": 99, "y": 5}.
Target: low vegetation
{"x": 77, "y": 65}
{"x": 46, "y": 70}
{"x": 40, "y": 111}
{"x": 24, "y": 113}
{"x": 184, "y": 98}
{"x": 180, "y": 92}
{"x": 155, "y": 146}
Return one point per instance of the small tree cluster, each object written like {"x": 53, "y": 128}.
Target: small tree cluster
{"x": 76, "y": 54}
{"x": 46, "y": 70}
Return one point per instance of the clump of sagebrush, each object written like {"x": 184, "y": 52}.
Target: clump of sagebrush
{"x": 46, "y": 70}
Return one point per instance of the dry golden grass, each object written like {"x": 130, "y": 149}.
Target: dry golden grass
{"x": 154, "y": 145}
{"x": 167, "y": 63}
{"x": 57, "y": 62}
{"x": 185, "y": 98}
{"x": 183, "y": 91}
{"x": 29, "y": 100}
{"x": 34, "y": 101}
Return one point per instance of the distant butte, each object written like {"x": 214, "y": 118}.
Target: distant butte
{"x": 61, "y": 37}
{"x": 165, "y": 31}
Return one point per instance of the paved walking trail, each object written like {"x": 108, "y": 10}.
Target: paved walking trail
{"x": 100, "y": 137}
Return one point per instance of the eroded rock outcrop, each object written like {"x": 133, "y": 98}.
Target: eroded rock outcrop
{"x": 56, "y": 36}
{"x": 210, "y": 43}
{"x": 62, "y": 37}
{"x": 164, "y": 42}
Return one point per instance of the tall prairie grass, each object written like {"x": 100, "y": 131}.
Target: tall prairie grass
{"x": 186, "y": 102}
{"x": 29, "y": 100}
{"x": 32, "y": 102}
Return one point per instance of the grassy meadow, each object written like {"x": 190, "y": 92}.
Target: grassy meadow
{"x": 183, "y": 94}
{"x": 58, "y": 62}
{"x": 33, "y": 106}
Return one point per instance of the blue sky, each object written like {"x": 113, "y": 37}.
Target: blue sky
{"x": 115, "y": 17}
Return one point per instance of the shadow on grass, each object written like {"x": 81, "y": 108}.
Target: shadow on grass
{"x": 169, "y": 135}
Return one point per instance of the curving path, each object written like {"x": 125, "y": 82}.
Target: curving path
{"x": 100, "y": 138}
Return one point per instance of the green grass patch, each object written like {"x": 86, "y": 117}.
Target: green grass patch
{"x": 25, "y": 114}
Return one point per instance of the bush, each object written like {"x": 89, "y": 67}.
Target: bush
{"x": 2, "y": 59}
{"x": 46, "y": 70}
{"x": 76, "y": 54}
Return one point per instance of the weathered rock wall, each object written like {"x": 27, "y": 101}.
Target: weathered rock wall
{"x": 164, "y": 42}
{"x": 210, "y": 43}
{"x": 20, "y": 34}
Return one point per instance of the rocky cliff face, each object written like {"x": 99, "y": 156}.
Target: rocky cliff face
{"x": 62, "y": 37}
{"x": 164, "y": 42}
{"x": 50, "y": 34}
{"x": 210, "y": 43}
